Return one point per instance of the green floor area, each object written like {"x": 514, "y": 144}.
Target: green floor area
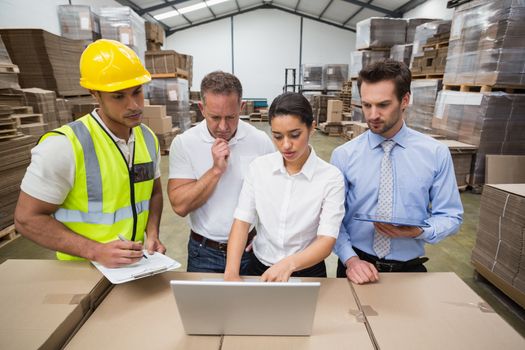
{"x": 452, "y": 254}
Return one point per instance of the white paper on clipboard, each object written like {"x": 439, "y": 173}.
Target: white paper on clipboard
{"x": 154, "y": 264}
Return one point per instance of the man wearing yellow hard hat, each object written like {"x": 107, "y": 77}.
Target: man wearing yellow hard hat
{"x": 98, "y": 177}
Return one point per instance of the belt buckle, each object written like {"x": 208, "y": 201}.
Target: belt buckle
{"x": 384, "y": 266}
{"x": 223, "y": 247}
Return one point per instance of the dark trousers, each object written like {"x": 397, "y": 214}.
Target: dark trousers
{"x": 384, "y": 265}
{"x": 257, "y": 268}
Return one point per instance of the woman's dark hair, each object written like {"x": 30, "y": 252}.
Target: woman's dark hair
{"x": 291, "y": 103}
{"x": 387, "y": 69}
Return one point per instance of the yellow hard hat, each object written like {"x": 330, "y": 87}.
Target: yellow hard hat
{"x": 107, "y": 65}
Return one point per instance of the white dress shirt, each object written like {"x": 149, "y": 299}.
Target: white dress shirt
{"x": 190, "y": 158}
{"x": 51, "y": 174}
{"x": 290, "y": 211}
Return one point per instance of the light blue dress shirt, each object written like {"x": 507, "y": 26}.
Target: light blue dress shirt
{"x": 425, "y": 188}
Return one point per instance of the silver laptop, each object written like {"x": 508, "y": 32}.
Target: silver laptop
{"x": 246, "y": 308}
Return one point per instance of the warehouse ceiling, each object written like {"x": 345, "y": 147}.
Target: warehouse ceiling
{"x": 177, "y": 15}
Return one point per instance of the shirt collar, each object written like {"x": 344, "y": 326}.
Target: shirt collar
{"x": 113, "y": 136}
{"x": 374, "y": 140}
{"x": 207, "y": 136}
{"x": 308, "y": 169}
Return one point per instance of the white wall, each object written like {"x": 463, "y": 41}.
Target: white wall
{"x": 431, "y": 9}
{"x": 42, "y": 14}
{"x": 265, "y": 43}
{"x": 210, "y": 46}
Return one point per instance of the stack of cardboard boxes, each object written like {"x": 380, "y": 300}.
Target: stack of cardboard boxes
{"x": 45, "y": 60}
{"x": 8, "y": 70}
{"x": 155, "y": 117}
{"x": 334, "y": 116}
{"x": 430, "y": 48}
{"x": 154, "y": 36}
{"x": 499, "y": 253}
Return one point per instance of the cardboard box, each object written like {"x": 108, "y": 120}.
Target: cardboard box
{"x": 334, "y": 111}
{"x": 141, "y": 315}
{"x": 44, "y": 301}
{"x": 432, "y": 311}
{"x": 159, "y": 125}
{"x": 154, "y": 111}
{"x": 504, "y": 169}
{"x": 336, "y": 324}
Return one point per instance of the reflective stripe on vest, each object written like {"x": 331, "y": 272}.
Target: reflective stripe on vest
{"x": 94, "y": 183}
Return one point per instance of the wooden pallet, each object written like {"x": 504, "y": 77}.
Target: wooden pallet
{"x": 22, "y": 109}
{"x": 9, "y": 68}
{"x": 435, "y": 45}
{"x": 427, "y": 76}
{"x": 179, "y": 74}
{"x": 7, "y": 235}
{"x": 511, "y": 89}
{"x": 23, "y": 119}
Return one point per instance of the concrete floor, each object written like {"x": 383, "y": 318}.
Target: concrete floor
{"x": 452, "y": 254}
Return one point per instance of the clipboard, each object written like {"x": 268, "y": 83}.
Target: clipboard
{"x": 391, "y": 220}
{"x": 154, "y": 264}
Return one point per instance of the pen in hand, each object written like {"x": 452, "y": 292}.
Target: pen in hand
{"x": 123, "y": 239}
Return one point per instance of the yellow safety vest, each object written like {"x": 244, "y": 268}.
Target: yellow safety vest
{"x": 108, "y": 198}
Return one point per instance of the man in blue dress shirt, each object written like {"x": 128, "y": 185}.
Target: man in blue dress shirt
{"x": 395, "y": 172}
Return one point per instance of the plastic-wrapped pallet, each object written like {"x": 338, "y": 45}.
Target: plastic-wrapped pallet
{"x": 357, "y": 114}
{"x": 492, "y": 121}
{"x": 424, "y": 32}
{"x": 486, "y": 44}
{"x": 361, "y": 59}
{"x": 421, "y": 110}
{"x": 401, "y": 53}
{"x": 380, "y": 32}
{"x": 124, "y": 25}
{"x": 174, "y": 94}
{"x": 312, "y": 77}
{"x": 334, "y": 75}
{"x": 412, "y": 24}
{"x": 78, "y": 22}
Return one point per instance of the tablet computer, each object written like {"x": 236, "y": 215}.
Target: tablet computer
{"x": 391, "y": 220}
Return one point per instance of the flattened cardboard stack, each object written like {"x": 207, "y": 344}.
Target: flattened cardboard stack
{"x": 486, "y": 44}
{"x": 8, "y": 71}
{"x": 154, "y": 36}
{"x": 79, "y": 22}
{"x": 312, "y": 75}
{"x": 170, "y": 62}
{"x": 462, "y": 156}
{"x": 174, "y": 94}
{"x": 421, "y": 110}
{"x": 412, "y": 24}
{"x": 45, "y": 60}
{"x": 124, "y": 25}
{"x": 15, "y": 156}
{"x": 492, "y": 121}
{"x": 80, "y": 106}
{"x": 44, "y": 102}
{"x": 380, "y": 32}
{"x": 499, "y": 253}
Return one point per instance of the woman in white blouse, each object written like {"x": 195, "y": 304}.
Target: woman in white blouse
{"x": 295, "y": 199}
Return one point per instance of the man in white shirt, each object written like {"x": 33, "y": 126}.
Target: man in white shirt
{"x": 207, "y": 167}
{"x": 97, "y": 179}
